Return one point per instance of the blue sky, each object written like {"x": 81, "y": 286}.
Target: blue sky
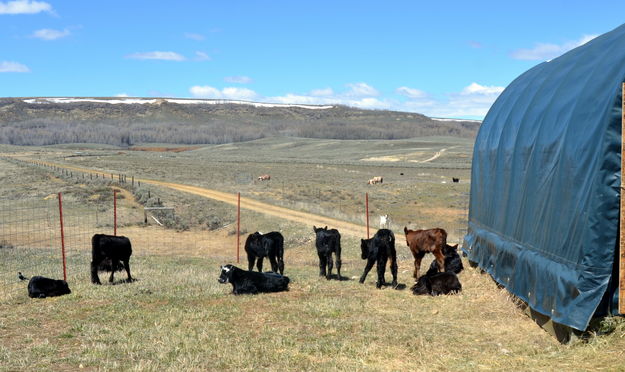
{"x": 439, "y": 58}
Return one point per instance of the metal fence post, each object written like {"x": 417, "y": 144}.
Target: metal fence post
{"x": 62, "y": 237}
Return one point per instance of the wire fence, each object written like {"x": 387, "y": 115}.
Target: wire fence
{"x": 32, "y": 241}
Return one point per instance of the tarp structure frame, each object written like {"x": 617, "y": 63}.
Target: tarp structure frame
{"x": 546, "y": 183}
{"x": 621, "y": 301}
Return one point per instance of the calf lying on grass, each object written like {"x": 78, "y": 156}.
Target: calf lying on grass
{"x": 437, "y": 284}
{"x": 251, "y": 282}
{"x": 41, "y": 287}
{"x": 453, "y": 263}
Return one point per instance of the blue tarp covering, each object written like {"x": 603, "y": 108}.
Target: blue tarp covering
{"x": 545, "y": 182}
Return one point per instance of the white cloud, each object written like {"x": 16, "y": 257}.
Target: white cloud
{"x": 327, "y": 92}
{"x": 547, "y": 51}
{"x": 122, "y": 95}
{"x": 411, "y": 93}
{"x": 164, "y": 56}
{"x": 24, "y": 7}
{"x": 233, "y": 93}
{"x": 361, "y": 90}
{"x": 201, "y": 56}
{"x": 238, "y": 79}
{"x": 8, "y": 66}
{"x": 49, "y": 34}
{"x": 477, "y": 89}
{"x": 473, "y": 101}
{"x": 194, "y": 36}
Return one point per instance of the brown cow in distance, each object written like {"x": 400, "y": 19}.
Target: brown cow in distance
{"x": 424, "y": 241}
{"x": 264, "y": 177}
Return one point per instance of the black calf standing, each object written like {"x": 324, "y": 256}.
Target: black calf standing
{"x": 380, "y": 248}
{"x": 251, "y": 282}
{"x": 327, "y": 242}
{"x": 40, "y": 287}
{"x": 270, "y": 245}
{"x": 109, "y": 253}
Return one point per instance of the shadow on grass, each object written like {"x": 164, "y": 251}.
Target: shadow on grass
{"x": 125, "y": 281}
{"x": 339, "y": 278}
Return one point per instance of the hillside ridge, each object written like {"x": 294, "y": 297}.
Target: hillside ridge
{"x": 127, "y": 120}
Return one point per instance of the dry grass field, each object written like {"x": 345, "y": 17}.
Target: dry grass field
{"x": 176, "y": 316}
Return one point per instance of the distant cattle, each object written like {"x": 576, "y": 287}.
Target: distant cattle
{"x": 385, "y": 221}
{"x": 437, "y": 284}
{"x": 264, "y": 177}
{"x": 375, "y": 180}
{"x": 424, "y": 241}
{"x": 270, "y": 245}
{"x": 328, "y": 242}
{"x": 40, "y": 287}
{"x": 109, "y": 253}
{"x": 455, "y": 180}
{"x": 453, "y": 263}
{"x": 250, "y": 282}
{"x": 380, "y": 249}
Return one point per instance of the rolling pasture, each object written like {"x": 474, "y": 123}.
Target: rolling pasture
{"x": 176, "y": 316}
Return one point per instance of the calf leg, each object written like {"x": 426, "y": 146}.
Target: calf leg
{"x": 394, "y": 271}
{"x": 274, "y": 264}
{"x": 281, "y": 265}
{"x": 322, "y": 265}
{"x": 94, "y": 273}
{"x": 259, "y": 264}
{"x": 338, "y": 263}
{"x": 329, "y": 261}
{"x": 417, "y": 264}
{"x": 368, "y": 267}
{"x": 440, "y": 260}
{"x": 112, "y": 273}
{"x": 250, "y": 262}
{"x": 381, "y": 270}
{"x": 127, "y": 266}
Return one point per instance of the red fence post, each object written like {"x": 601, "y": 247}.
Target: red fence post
{"x": 238, "y": 223}
{"x": 115, "y": 212}
{"x": 367, "y": 211}
{"x": 62, "y": 238}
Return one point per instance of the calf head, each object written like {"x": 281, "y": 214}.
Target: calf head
{"x": 407, "y": 232}
{"x": 61, "y": 288}
{"x": 226, "y": 274}
{"x": 449, "y": 250}
{"x": 319, "y": 229}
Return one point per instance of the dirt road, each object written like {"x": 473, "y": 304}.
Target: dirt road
{"x": 346, "y": 228}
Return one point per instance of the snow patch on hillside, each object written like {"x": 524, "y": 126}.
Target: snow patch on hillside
{"x": 180, "y": 101}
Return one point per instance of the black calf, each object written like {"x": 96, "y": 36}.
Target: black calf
{"x": 270, "y": 245}
{"x": 40, "y": 287}
{"x": 251, "y": 282}
{"x": 327, "y": 242}
{"x": 380, "y": 248}
{"x": 453, "y": 263}
{"x": 109, "y": 253}
{"x": 437, "y": 284}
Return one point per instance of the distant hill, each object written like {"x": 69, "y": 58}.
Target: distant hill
{"x": 125, "y": 121}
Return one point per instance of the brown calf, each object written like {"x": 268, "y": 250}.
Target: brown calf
{"x": 424, "y": 241}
